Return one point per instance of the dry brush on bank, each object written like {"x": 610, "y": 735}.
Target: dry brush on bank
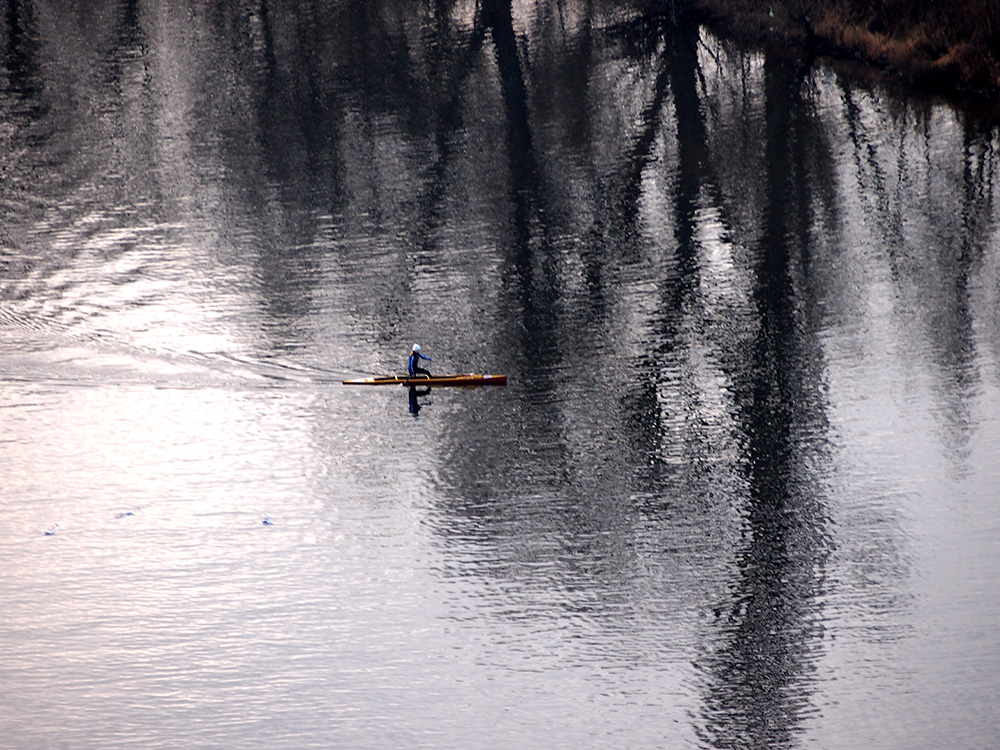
{"x": 951, "y": 44}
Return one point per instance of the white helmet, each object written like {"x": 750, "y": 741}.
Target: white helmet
{"x": 416, "y": 347}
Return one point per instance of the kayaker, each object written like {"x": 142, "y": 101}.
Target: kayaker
{"x": 415, "y": 357}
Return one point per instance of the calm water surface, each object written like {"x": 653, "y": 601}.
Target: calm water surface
{"x": 741, "y": 490}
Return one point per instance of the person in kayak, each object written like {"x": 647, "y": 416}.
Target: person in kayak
{"x": 415, "y": 357}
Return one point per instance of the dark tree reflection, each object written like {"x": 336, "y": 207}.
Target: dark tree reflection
{"x": 758, "y": 677}
{"x": 21, "y": 48}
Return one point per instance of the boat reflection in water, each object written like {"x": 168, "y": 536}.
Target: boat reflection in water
{"x": 415, "y": 405}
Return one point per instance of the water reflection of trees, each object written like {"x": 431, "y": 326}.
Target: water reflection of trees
{"x": 758, "y": 691}
{"x": 570, "y": 522}
{"x": 756, "y": 687}
{"x": 930, "y": 211}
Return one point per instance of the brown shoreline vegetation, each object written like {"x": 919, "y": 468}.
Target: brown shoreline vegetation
{"x": 945, "y": 45}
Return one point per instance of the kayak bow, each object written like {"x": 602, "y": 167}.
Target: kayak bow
{"x": 435, "y": 380}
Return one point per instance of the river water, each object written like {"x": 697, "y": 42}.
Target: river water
{"x": 741, "y": 489}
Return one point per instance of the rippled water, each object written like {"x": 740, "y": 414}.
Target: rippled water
{"x": 739, "y": 492}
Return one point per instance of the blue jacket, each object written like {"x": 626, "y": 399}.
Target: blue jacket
{"x": 415, "y": 357}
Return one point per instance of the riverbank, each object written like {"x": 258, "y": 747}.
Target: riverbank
{"x": 948, "y": 47}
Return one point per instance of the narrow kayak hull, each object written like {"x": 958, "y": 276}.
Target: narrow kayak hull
{"x": 434, "y": 380}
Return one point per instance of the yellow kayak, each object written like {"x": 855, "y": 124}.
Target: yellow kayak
{"x": 435, "y": 380}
